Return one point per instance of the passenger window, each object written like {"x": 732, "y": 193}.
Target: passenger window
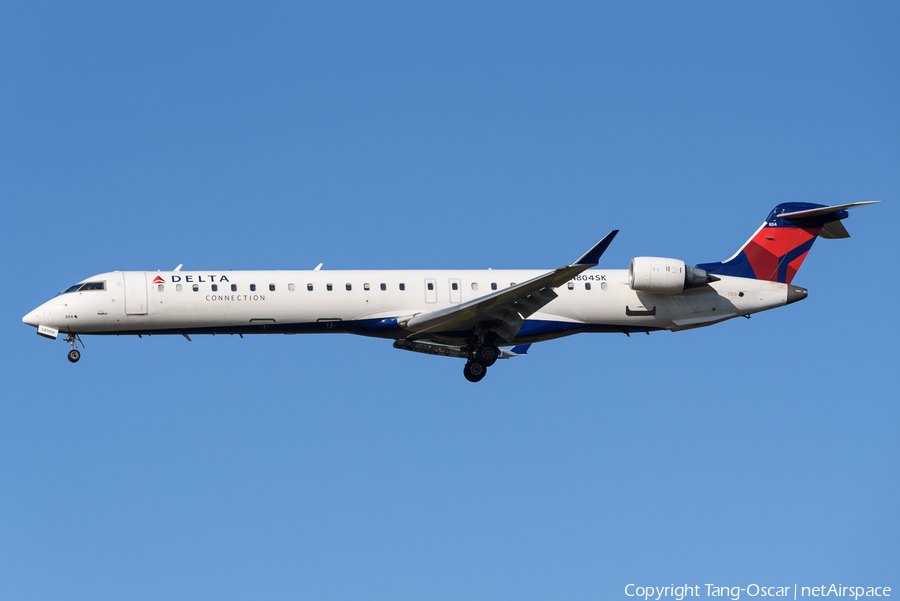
{"x": 291, "y": 287}
{"x": 309, "y": 287}
{"x": 234, "y": 287}
{"x": 493, "y": 285}
{"x": 474, "y": 286}
{"x": 365, "y": 286}
{"x": 587, "y": 285}
{"x": 161, "y": 288}
{"x": 402, "y": 286}
{"x": 349, "y": 287}
{"x": 328, "y": 287}
{"x": 430, "y": 286}
{"x": 571, "y": 285}
{"x": 602, "y": 285}
{"x": 178, "y": 288}
{"x": 252, "y": 288}
{"x": 384, "y": 286}
{"x": 196, "y": 288}
{"x": 271, "y": 287}
{"x": 215, "y": 287}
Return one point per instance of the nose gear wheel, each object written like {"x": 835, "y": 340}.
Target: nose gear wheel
{"x": 74, "y": 355}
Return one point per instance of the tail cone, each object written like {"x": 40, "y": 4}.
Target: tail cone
{"x": 796, "y": 293}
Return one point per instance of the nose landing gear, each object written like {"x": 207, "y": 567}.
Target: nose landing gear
{"x": 74, "y": 354}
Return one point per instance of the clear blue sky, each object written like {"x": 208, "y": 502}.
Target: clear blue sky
{"x": 447, "y": 135}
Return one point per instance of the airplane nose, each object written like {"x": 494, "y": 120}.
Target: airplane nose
{"x": 31, "y": 319}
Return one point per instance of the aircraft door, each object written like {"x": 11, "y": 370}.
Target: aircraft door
{"x": 135, "y": 292}
{"x": 455, "y": 291}
{"x": 430, "y": 290}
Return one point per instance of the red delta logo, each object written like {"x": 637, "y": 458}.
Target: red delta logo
{"x": 158, "y": 280}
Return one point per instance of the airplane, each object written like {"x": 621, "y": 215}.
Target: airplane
{"x": 477, "y": 315}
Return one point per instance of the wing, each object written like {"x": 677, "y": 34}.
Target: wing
{"x": 503, "y": 312}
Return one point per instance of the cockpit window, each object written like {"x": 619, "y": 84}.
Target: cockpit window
{"x": 85, "y": 286}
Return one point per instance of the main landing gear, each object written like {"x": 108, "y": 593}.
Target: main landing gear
{"x": 74, "y": 354}
{"x": 481, "y": 358}
{"x": 486, "y": 354}
{"x": 474, "y": 372}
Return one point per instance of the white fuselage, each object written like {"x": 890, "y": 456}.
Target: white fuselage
{"x": 371, "y": 302}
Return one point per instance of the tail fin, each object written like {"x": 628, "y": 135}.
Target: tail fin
{"x": 779, "y": 246}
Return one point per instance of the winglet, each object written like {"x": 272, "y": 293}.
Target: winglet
{"x": 592, "y": 257}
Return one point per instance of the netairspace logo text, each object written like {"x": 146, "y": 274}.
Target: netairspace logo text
{"x": 678, "y": 593}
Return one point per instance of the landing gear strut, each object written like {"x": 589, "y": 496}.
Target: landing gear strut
{"x": 74, "y": 354}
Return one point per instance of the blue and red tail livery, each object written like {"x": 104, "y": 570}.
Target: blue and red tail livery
{"x": 778, "y": 248}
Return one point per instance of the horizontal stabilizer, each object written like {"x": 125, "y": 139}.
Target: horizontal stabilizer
{"x": 818, "y": 212}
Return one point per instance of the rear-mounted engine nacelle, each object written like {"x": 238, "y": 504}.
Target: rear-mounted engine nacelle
{"x": 665, "y": 276}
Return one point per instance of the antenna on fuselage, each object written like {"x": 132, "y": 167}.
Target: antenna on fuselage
{"x": 318, "y": 267}
{"x": 180, "y": 265}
